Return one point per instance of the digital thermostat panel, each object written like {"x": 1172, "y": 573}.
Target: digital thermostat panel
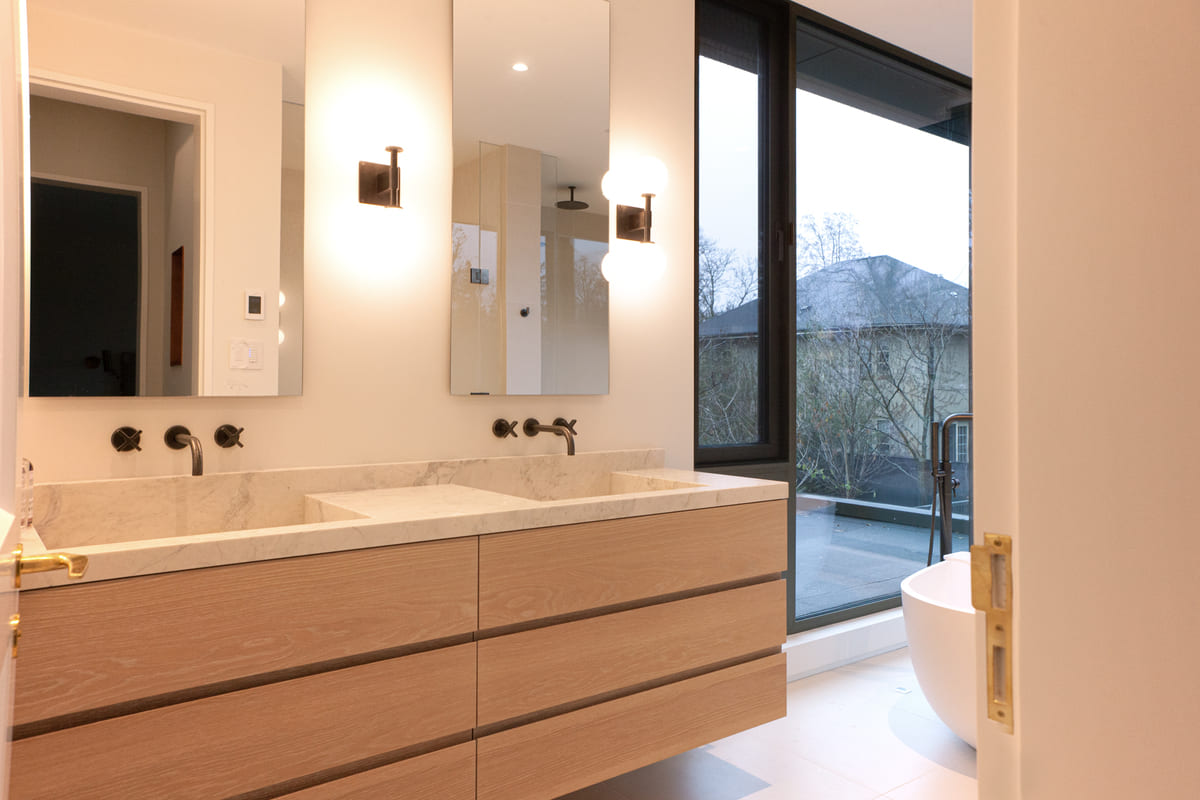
{"x": 254, "y": 307}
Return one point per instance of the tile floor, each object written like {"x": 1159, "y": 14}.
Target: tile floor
{"x": 860, "y": 732}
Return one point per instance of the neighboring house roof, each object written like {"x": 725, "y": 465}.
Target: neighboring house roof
{"x": 874, "y": 292}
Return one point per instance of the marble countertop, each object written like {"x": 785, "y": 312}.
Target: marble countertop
{"x": 148, "y": 526}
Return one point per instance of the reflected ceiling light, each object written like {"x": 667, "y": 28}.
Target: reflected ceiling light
{"x": 520, "y": 66}
{"x": 282, "y": 298}
{"x": 281, "y": 336}
{"x": 379, "y": 184}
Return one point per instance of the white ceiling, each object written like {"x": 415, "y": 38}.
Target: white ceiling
{"x": 559, "y": 107}
{"x": 939, "y": 30}
{"x": 270, "y": 30}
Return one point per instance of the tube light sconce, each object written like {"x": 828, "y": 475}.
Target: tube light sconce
{"x": 646, "y": 178}
{"x": 379, "y": 184}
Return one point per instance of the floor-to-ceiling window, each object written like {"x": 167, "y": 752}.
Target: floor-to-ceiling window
{"x": 874, "y": 244}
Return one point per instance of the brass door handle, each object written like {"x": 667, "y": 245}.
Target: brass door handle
{"x": 75, "y": 565}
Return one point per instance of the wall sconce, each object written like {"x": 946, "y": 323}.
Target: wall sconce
{"x": 379, "y": 184}
{"x": 646, "y": 178}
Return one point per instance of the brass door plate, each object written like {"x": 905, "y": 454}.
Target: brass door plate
{"x": 992, "y": 594}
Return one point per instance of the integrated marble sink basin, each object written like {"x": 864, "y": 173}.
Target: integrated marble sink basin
{"x": 73, "y": 515}
{"x": 581, "y": 485}
{"x": 140, "y": 526}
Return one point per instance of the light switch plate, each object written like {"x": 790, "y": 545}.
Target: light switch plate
{"x": 245, "y": 354}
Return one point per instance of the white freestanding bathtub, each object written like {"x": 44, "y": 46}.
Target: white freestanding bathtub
{"x": 940, "y": 623}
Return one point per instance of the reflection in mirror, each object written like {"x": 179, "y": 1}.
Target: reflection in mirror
{"x": 166, "y": 201}
{"x": 530, "y": 227}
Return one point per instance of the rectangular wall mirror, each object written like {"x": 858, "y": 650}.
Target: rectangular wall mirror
{"x": 166, "y": 208}
{"x": 529, "y": 308}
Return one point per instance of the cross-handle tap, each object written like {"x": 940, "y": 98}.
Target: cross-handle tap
{"x": 178, "y": 437}
{"x": 228, "y": 436}
{"x": 532, "y": 428}
{"x": 502, "y": 428}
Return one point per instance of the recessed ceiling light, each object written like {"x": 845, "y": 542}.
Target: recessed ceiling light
{"x": 520, "y": 66}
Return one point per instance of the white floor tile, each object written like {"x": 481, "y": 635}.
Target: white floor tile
{"x": 860, "y": 732}
{"x": 937, "y": 785}
{"x": 862, "y": 722}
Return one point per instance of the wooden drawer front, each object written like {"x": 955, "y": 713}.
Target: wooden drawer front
{"x": 526, "y": 672}
{"x": 542, "y": 573}
{"x": 546, "y": 759}
{"x": 441, "y": 775}
{"x": 237, "y": 742}
{"x": 92, "y": 645}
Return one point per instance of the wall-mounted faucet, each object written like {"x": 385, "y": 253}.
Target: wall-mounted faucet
{"x": 178, "y": 437}
{"x": 560, "y": 428}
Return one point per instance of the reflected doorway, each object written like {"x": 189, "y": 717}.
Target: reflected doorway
{"x": 85, "y": 253}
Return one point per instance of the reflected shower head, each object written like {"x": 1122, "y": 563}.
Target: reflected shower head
{"x": 572, "y": 204}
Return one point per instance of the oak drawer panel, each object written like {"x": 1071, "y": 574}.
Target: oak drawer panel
{"x": 233, "y": 743}
{"x": 526, "y": 672}
{"x": 547, "y": 759}
{"x": 528, "y": 575}
{"x": 96, "y": 644}
{"x": 447, "y": 774}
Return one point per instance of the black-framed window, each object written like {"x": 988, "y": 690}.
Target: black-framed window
{"x": 810, "y": 321}
{"x": 741, "y": 266}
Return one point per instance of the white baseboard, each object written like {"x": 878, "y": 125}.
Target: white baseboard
{"x": 844, "y": 643}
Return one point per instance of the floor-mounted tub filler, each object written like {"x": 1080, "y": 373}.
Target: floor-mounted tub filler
{"x": 940, "y": 624}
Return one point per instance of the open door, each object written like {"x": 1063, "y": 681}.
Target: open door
{"x": 8, "y": 616}
{"x": 12, "y": 261}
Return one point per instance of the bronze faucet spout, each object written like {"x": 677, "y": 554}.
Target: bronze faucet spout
{"x": 532, "y": 428}
{"x": 178, "y": 437}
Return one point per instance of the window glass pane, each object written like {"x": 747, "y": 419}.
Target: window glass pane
{"x": 729, "y": 346}
{"x": 882, "y": 313}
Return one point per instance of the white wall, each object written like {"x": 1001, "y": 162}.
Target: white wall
{"x": 376, "y": 360}
{"x": 1086, "y": 394}
{"x": 13, "y": 166}
{"x": 183, "y": 379}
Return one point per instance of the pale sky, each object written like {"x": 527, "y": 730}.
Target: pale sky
{"x": 907, "y": 188}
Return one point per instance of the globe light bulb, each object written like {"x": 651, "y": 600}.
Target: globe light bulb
{"x": 628, "y": 182}
{"x": 613, "y": 267}
{"x": 627, "y": 262}
{"x": 613, "y": 186}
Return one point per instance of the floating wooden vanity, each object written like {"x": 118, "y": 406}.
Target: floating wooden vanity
{"x": 519, "y": 665}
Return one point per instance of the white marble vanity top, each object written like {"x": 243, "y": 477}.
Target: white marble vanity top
{"x": 144, "y": 526}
